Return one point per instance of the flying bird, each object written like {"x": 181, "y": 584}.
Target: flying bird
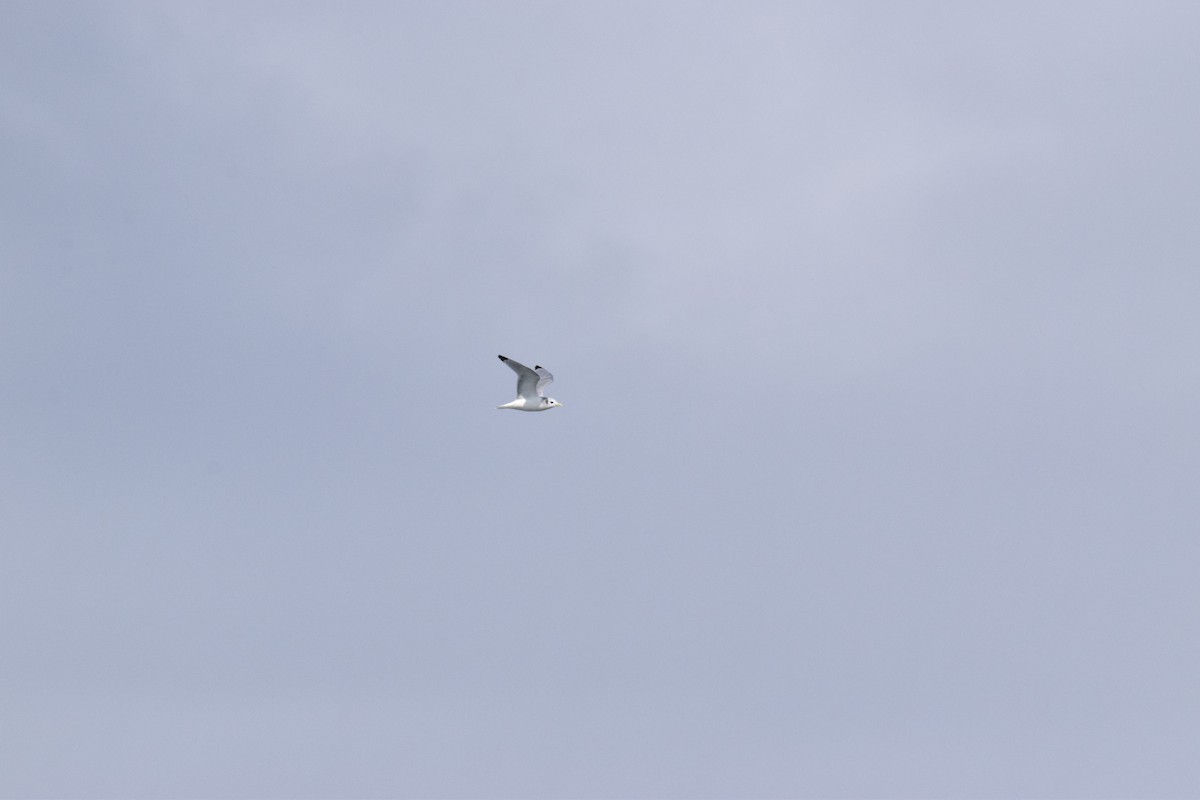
{"x": 530, "y": 383}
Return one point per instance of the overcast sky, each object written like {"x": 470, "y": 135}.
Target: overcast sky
{"x": 877, "y": 327}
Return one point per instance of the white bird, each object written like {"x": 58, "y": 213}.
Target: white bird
{"x": 530, "y": 383}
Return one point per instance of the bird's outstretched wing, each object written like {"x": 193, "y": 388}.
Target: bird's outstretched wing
{"x": 544, "y": 378}
{"x": 527, "y": 379}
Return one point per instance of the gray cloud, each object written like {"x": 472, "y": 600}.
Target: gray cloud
{"x": 875, "y": 330}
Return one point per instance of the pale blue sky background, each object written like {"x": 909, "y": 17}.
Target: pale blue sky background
{"x": 876, "y": 326}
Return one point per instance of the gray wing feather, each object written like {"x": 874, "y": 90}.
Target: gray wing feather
{"x": 544, "y": 378}
{"x": 527, "y": 379}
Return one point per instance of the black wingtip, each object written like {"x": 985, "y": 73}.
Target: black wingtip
{"x": 537, "y": 366}
{"x": 503, "y": 358}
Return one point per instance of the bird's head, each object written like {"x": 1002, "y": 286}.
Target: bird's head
{"x": 551, "y": 402}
